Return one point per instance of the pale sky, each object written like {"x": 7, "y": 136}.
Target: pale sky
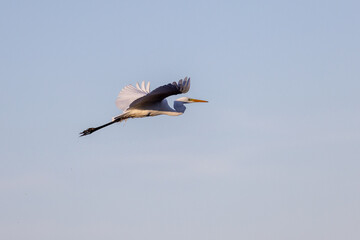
{"x": 274, "y": 154}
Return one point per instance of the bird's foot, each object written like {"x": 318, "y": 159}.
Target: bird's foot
{"x": 87, "y": 132}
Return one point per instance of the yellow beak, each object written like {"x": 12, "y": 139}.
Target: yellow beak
{"x": 196, "y": 100}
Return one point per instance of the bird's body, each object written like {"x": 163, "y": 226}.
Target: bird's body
{"x": 139, "y": 102}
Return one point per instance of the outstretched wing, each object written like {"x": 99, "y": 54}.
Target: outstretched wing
{"x": 160, "y": 93}
{"x": 130, "y": 93}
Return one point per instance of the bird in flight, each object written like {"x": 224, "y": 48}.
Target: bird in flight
{"x": 139, "y": 102}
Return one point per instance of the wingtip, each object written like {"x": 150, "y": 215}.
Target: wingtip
{"x": 148, "y": 87}
{"x": 184, "y": 84}
{"x": 143, "y": 86}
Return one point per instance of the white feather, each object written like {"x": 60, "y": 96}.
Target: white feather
{"x": 129, "y": 94}
{"x": 143, "y": 86}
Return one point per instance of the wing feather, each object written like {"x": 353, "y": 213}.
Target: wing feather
{"x": 143, "y": 86}
{"x": 130, "y": 93}
{"x": 160, "y": 93}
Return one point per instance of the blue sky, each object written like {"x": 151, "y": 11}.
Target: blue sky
{"x": 273, "y": 155}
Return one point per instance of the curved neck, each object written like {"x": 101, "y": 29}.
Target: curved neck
{"x": 179, "y": 106}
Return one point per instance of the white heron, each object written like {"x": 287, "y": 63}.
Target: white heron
{"x": 138, "y": 102}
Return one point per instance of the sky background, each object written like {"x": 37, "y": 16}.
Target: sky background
{"x": 273, "y": 155}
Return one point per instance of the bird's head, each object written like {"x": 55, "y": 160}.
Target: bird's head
{"x": 189, "y": 100}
